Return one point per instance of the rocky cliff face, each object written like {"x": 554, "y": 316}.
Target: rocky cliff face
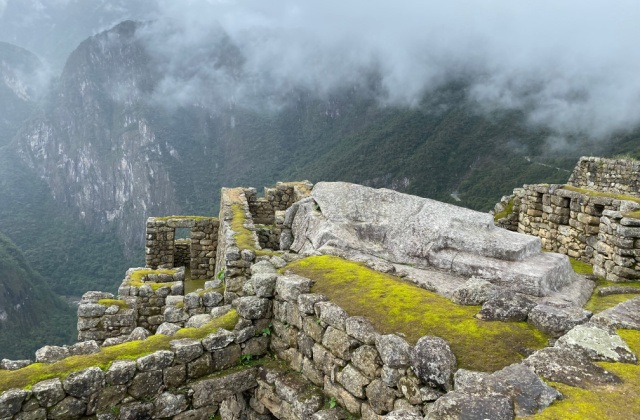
{"x": 95, "y": 147}
{"x": 113, "y": 150}
{"x": 20, "y": 86}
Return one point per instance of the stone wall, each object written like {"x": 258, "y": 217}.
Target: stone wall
{"x": 233, "y": 262}
{"x": 366, "y": 373}
{"x": 279, "y": 198}
{"x": 617, "y": 256}
{"x": 571, "y": 222}
{"x": 607, "y": 175}
{"x": 100, "y": 321}
{"x": 161, "y": 248}
{"x": 173, "y": 383}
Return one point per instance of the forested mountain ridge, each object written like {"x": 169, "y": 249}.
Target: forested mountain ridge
{"x": 30, "y": 313}
{"x": 112, "y": 155}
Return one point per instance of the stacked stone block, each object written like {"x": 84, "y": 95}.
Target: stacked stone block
{"x": 510, "y": 221}
{"x": 618, "y": 250}
{"x": 233, "y": 264}
{"x": 97, "y": 322}
{"x": 160, "y": 251}
{"x": 616, "y": 176}
{"x": 159, "y": 385}
{"x": 275, "y": 199}
{"x": 151, "y": 301}
{"x": 566, "y": 221}
{"x": 367, "y": 373}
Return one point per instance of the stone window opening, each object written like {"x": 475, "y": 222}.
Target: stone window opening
{"x": 598, "y": 209}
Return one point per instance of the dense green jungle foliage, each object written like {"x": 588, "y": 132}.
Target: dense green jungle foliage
{"x": 32, "y": 314}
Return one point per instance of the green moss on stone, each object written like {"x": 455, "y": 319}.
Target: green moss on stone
{"x": 504, "y": 213}
{"x": 610, "y": 402}
{"x": 581, "y": 267}
{"x": 396, "y": 306}
{"x": 26, "y": 377}
{"x": 243, "y": 237}
{"x": 136, "y": 278}
{"x": 108, "y": 302}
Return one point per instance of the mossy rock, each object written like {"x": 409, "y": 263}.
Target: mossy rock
{"x": 504, "y": 213}
{"x": 109, "y": 302}
{"x": 612, "y": 402}
{"x": 26, "y": 377}
{"x": 242, "y": 235}
{"x": 394, "y": 305}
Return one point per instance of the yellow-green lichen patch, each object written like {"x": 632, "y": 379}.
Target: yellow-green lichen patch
{"x": 504, "y": 213}
{"x": 396, "y": 306}
{"x": 611, "y": 402}
{"x": 109, "y": 302}
{"x": 37, "y": 372}
{"x": 244, "y": 239}
{"x": 592, "y": 193}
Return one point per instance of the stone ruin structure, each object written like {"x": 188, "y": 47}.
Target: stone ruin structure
{"x": 593, "y": 218}
{"x": 206, "y": 348}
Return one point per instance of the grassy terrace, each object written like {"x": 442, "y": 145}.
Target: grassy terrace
{"x": 26, "y": 377}
{"x": 611, "y": 402}
{"x": 396, "y": 306}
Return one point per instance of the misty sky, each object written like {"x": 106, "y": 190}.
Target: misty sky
{"x": 571, "y": 65}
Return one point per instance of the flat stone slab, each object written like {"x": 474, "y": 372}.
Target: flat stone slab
{"x": 570, "y": 368}
{"x": 625, "y": 315}
{"x": 597, "y": 343}
{"x": 517, "y": 382}
{"x": 405, "y": 229}
{"x": 618, "y": 290}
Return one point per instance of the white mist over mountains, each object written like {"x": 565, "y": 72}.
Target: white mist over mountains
{"x": 572, "y": 66}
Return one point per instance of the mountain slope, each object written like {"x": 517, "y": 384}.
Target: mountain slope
{"x": 112, "y": 154}
{"x": 19, "y": 88}
{"x": 30, "y": 315}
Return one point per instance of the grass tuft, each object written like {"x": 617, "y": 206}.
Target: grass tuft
{"x": 396, "y": 306}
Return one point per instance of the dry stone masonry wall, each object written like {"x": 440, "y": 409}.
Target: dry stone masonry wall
{"x": 161, "y": 247}
{"x": 618, "y": 176}
{"x": 585, "y": 219}
{"x": 329, "y": 365}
